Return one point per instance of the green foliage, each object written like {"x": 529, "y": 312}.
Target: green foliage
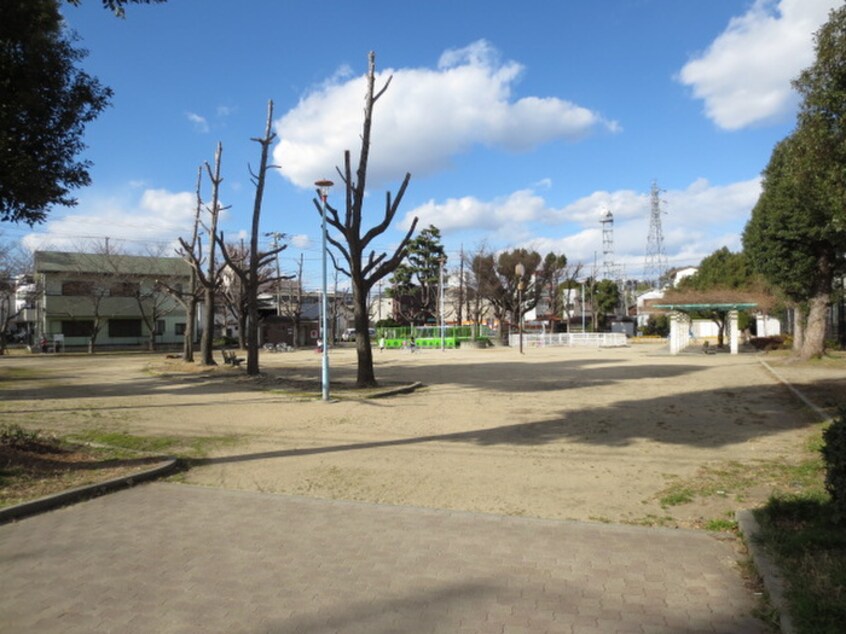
{"x": 657, "y": 325}
{"x": 607, "y": 298}
{"x": 416, "y": 280}
{"x": 821, "y": 115}
{"x": 834, "y": 454}
{"x": 45, "y": 103}
{"x": 722, "y": 269}
{"x": 810, "y": 550}
{"x": 790, "y": 238}
{"x": 117, "y": 6}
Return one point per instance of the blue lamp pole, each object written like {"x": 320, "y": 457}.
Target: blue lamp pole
{"x": 323, "y": 190}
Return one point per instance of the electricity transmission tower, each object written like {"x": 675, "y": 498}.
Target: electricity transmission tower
{"x": 655, "y": 264}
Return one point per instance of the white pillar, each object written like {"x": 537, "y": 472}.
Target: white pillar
{"x": 734, "y": 334}
{"x": 679, "y": 332}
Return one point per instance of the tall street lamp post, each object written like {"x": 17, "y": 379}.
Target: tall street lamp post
{"x": 441, "y": 262}
{"x": 323, "y": 190}
{"x": 520, "y": 271}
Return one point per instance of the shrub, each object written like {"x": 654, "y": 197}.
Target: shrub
{"x": 657, "y": 325}
{"x": 768, "y": 343}
{"x": 15, "y": 436}
{"x": 834, "y": 454}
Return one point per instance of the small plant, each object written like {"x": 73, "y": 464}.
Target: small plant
{"x": 16, "y": 437}
{"x": 721, "y": 525}
{"x": 676, "y": 496}
{"x": 834, "y": 454}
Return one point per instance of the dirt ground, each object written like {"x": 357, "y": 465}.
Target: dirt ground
{"x": 554, "y": 433}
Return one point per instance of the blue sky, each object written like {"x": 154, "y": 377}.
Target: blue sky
{"x": 520, "y": 122}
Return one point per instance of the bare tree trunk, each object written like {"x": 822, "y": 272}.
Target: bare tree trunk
{"x": 813, "y": 343}
{"x": 798, "y": 329}
{"x": 364, "y": 376}
{"x": 207, "y": 343}
{"x": 190, "y": 320}
{"x": 255, "y": 256}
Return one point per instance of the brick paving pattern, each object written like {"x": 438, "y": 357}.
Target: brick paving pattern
{"x": 175, "y": 558}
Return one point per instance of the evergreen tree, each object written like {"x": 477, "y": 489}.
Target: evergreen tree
{"x": 796, "y": 236}
{"x": 416, "y": 281}
{"x": 45, "y": 103}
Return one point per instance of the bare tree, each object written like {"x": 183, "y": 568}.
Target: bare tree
{"x": 192, "y": 253}
{"x": 291, "y": 303}
{"x": 14, "y": 265}
{"x": 235, "y": 296}
{"x": 190, "y": 297}
{"x": 364, "y": 274}
{"x": 250, "y": 276}
{"x": 475, "y": 285}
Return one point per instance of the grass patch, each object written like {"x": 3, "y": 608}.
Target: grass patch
{"x": 802, "y": 474}
{"x": 721, "y": 525}
{"x": 11, "y": 373}
{"x": 810, "y": 550}
{"x": 34, "y": 464}
{"x": 675, "y": 495}
{"x": 179, "y": 446}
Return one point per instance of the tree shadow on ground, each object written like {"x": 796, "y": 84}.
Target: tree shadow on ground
{"x": 705, "y": 419}
{"x": 513, "y": 377}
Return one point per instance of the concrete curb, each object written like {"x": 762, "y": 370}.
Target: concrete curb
{"x": 749, "y": 528}
{"x": 767, "y": 569}
{"x": 71, "y": 496}
{"x": 404, "y": 389}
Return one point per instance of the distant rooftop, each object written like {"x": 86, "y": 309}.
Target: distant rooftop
{"x": 73, "y": 262}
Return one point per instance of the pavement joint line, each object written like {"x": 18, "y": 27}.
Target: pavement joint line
{"x": 77, "y": 494}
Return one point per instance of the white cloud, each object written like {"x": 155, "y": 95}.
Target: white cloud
{"x": 744, "y": 76}
{"x": 426, "y": 117}
{"x": 300, "y": 241}
{"x": 200, "y": 122}
{"x": 698, "y": 220}
{"x": 156, "y": 217}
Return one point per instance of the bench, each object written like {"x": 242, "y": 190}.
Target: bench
{"x": 229, "y": 358}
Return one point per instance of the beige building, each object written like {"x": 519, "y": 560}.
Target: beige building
{"x": 117, "y": 299}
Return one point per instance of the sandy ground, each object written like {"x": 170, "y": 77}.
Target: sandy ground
{"x": 555, "y": 433}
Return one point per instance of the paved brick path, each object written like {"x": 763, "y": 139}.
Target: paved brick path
{"x": 175, "y": 558}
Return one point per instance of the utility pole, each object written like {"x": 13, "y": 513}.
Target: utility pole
{"x": 461, "y": 290}
{"x": 276, "y": 237}
{"x": 441, "y": 262}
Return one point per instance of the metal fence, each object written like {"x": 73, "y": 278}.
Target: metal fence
{"x": 571, "y": 339}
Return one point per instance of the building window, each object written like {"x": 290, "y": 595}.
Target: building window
{"x": 124, "y": 328}
{"x": 77, "y": 288}
{"x": 179, "y": 329}
{"x": 124, "y": 289}
{"x": 160, "y": 327}
{"x": 81, "y": 328}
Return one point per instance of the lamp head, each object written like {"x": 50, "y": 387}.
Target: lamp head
{"x": 323, "y": 188}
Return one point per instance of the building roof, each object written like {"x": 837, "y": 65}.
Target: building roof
{"x": 72, "y": 262}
